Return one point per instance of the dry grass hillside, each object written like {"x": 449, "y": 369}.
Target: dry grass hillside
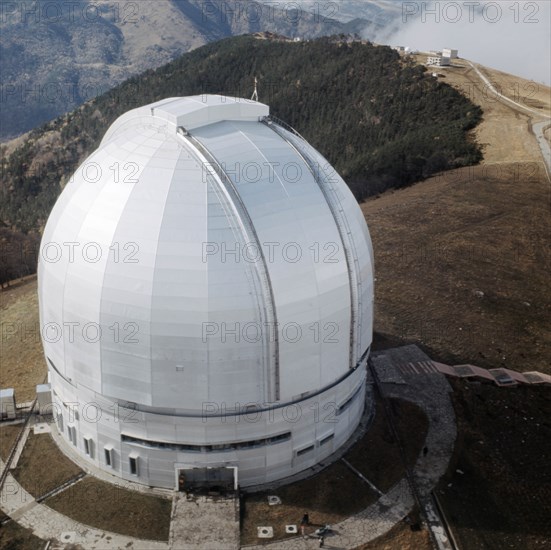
{"x": 22, "y": 364}
{"x": 463, "y": 259}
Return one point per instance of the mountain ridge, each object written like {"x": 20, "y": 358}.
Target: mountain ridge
{"x": 381, "y": 120}
{"x": 56, "y": 57}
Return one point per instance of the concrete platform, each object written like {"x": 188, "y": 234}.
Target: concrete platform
{"x": 209, "y": 523}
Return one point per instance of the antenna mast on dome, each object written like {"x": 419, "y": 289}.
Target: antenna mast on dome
{"x": 255, "y": 93}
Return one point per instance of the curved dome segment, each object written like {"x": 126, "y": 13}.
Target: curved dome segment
{"x": 355, "y": 238}
{"x": 224, "y": 272}
{"x": 306, "y": 260}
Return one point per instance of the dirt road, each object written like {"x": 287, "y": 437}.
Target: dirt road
{"x": 539, "y": 128}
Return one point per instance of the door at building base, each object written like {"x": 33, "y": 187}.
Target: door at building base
{"x": 209, "y": 479}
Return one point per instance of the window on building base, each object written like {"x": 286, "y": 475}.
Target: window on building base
{"x": 326, "y": 439}
{"x": 133, "y": 460}
{"x": 59, "y": 419}
{"x": 348, "y": 402}
{"x": 72, "y": 431}
{"x": 109, "y": 456}
{"x": 89, "y": 446}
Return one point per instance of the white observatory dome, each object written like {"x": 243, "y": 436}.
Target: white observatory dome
{"x": 206, "y": 298}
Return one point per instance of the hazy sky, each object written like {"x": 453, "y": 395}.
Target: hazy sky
{"x": 512, "y": 36}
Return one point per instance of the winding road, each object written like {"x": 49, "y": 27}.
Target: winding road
{"x": 537, "y": 127}
{"x": 539, "y": 130}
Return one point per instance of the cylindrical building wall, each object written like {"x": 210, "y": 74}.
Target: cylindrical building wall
{"x": 264, "y": 445}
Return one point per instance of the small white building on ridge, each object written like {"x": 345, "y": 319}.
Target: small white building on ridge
{"x": 447, "y": 52}
{"x": 438, "y": 61}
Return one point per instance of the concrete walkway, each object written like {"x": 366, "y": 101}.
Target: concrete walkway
{"x": 430, "y": 391}
{"x": 206, "y": 523}
{"x": 48, "y": 524}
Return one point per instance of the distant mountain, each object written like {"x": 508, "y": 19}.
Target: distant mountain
{"x": 381, "y": 120}
{"x": 57, "y": 55}
{"x": 379, "y": 12}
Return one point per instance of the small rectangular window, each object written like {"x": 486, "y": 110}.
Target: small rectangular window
{"x": 305, "y": 450}
{"x": 133, "y": 465}
{"x": 326, "y": 439}
{"x": 89, "y": 446}
{"x": 348, "y": 402}
{"x": 59, "y": 419}
{"x": 72, "y": 431}
{"x": 108, "y": 456}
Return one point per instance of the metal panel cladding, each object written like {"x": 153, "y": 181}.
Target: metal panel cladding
{"x": 204, "y": 253}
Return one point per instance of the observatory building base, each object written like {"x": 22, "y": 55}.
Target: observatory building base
{"x": 165, "y": 449}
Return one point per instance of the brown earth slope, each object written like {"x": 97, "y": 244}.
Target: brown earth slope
{"x": 22, "y": 364}
{"x": 463, "y": 259}
{"x": 497, "y": 490}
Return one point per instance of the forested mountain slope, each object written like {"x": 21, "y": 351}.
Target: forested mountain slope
{"x": 382, "y": 121}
